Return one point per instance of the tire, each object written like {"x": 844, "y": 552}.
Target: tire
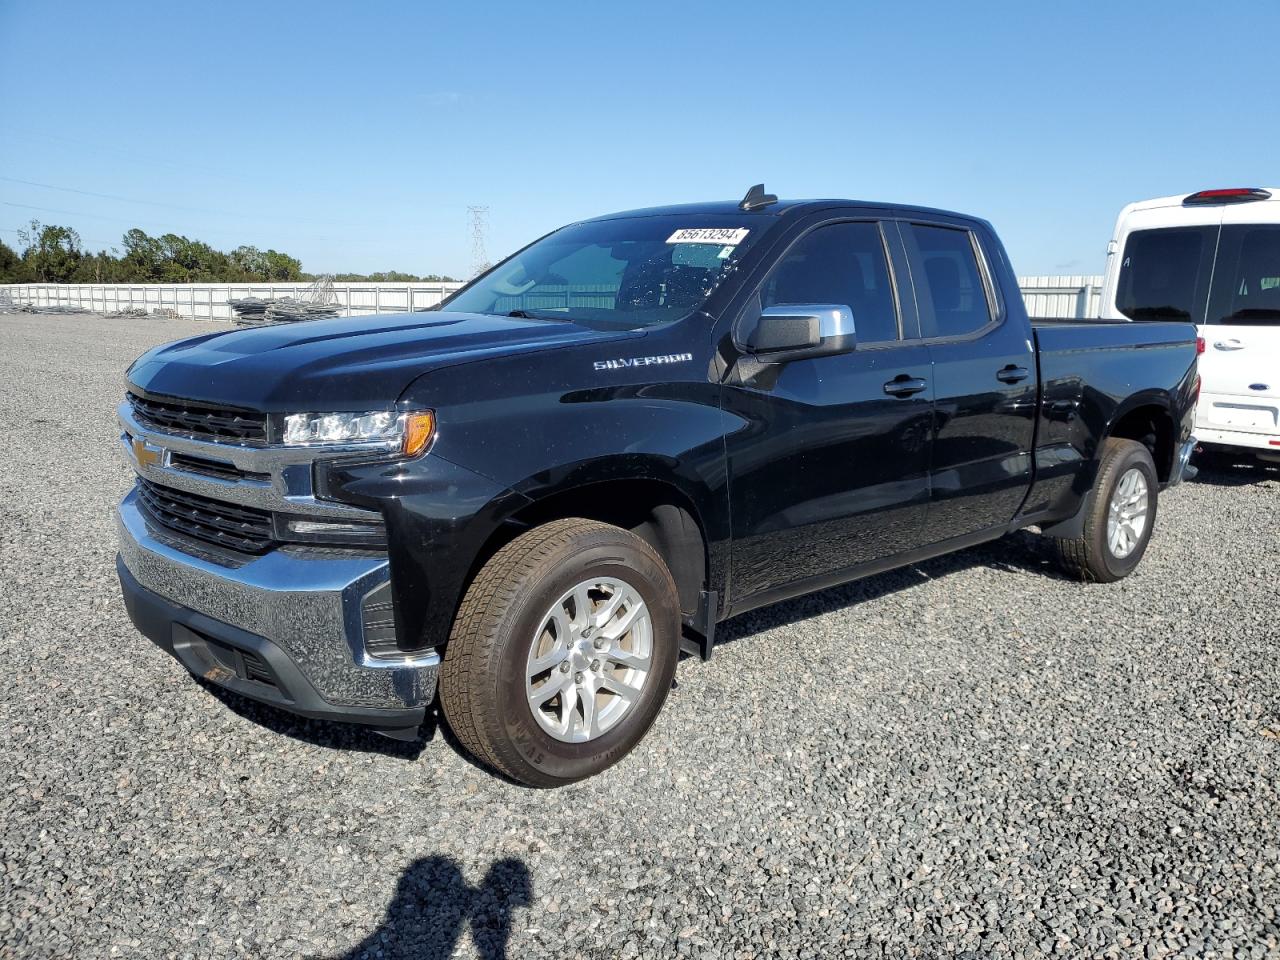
{"x": 1092, "y": 556}
{"x": 485, "y": 688}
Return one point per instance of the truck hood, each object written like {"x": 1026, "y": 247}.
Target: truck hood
{"x": 351, "y": 363}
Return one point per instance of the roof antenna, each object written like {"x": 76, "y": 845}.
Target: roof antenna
{"x": 757, "y": 199}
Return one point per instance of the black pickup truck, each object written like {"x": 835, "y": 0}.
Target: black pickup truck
{"x": 543, "y": 491}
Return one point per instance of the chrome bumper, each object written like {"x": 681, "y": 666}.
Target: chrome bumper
{"x": 305, "y": 603}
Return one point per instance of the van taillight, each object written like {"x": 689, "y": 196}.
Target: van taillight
{"x": 1199, "y": 345}
{"x": 1229, "y": 195}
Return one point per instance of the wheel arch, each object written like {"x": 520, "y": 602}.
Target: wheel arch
{"x": 1147, "y": 417}
{"x": 657, "y": 510}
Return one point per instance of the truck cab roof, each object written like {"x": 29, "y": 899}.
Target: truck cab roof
{"x": 780, "y": 208}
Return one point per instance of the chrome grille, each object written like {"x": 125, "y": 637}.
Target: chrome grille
{"x": 200, "y": 420}
{"x": 226, "y": 524}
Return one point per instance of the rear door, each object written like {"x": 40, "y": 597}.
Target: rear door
{"x": 829, "y": 469}
{"x": 984, "y": 381}
{"x": 1240, "y": 368}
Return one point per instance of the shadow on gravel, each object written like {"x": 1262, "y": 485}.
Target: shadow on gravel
{"x": 1225, "y": 471}
{"x": 345, "y": 736}
{"x": 320, "y": 733}
{"x": 489, "y": 773}
{"x": 1022, "y": 551}
{"x": 432, "y": 902}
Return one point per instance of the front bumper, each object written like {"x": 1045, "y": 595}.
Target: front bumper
{"x": 296, "y": 611}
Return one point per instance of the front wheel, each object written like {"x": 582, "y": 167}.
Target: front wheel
{"x": 562, "y": 653}
{"x": 1120, "y": 515}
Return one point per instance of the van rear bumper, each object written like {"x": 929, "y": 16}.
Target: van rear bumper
{"x": 1239, "y": 420}
{"x": 1239, "y": 438}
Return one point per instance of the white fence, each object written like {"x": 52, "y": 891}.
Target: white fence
{"x": 1076, "y": 296}
{"x": 1064, "y": 297}
{"x": 208, "y": 301}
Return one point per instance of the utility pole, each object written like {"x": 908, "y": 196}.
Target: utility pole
{"x": 479, "y": 223}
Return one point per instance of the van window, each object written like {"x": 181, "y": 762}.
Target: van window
{"x": 1246, "y": 280}
{"x": 955, "y": 298}
{"x": 1163, "y": 272}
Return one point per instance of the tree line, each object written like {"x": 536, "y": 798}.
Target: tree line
{"x": 55, "y": 254}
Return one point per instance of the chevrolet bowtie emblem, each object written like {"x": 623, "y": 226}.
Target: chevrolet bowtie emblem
{"x": 147, "y": 456}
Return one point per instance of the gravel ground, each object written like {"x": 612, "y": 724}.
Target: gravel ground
{"x": 968, "y": 757}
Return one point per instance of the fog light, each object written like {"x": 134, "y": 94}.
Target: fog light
{"x": 326, "y": 526}
{"x": 350, "y": 533}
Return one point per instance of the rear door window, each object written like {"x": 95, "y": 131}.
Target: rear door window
{"x": 952, "y": 295}
{"x": 1164, "y": 273}
{"x": 1246, "y": 280}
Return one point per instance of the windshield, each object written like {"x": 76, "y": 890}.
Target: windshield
{"x": 616, "y": 274}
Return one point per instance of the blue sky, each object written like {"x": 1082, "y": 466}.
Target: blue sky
{"x": 354, "y": 136}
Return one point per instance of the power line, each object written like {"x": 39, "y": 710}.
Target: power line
{"x": 86, "y": 241}
{"x": 176, "y": 206}
{"x": 105, "y": 196}
{"x": 226, "y": 232}
{"x": 65, "y": 213}
{"x": 135, "y": 157}
{"x": 94, "y": 216}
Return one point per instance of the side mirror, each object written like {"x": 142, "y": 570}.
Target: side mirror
{"x": 798, "y": 331}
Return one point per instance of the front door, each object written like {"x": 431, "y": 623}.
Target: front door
{"x": 829, "y": 468}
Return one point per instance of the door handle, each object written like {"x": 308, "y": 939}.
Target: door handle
{"x": 1229, "y": 345}
{"x": 1013, "y": 374}
{"x": 904, "y": 386}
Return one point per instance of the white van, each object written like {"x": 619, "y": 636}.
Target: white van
{"x": 1212, "y": 257}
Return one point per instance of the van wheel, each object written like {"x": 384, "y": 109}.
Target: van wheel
{"x": 1120, "y": 515}
{"x": 562, "y": 653}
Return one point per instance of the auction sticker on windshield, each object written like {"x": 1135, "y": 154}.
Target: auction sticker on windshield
{"x": 722, "y": 236}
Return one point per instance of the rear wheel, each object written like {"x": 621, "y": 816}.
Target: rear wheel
{"x": 1120, "y": 514}
{"x": 562, "y": 653}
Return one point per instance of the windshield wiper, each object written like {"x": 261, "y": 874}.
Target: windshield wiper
{"x": 526, "y": 315}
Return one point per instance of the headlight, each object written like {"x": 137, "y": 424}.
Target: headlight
{"x": 413, "y": 431}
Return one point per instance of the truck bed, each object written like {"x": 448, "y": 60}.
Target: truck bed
{"x": 1091, "y": 371}
{"x": 1062, "y": 334}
